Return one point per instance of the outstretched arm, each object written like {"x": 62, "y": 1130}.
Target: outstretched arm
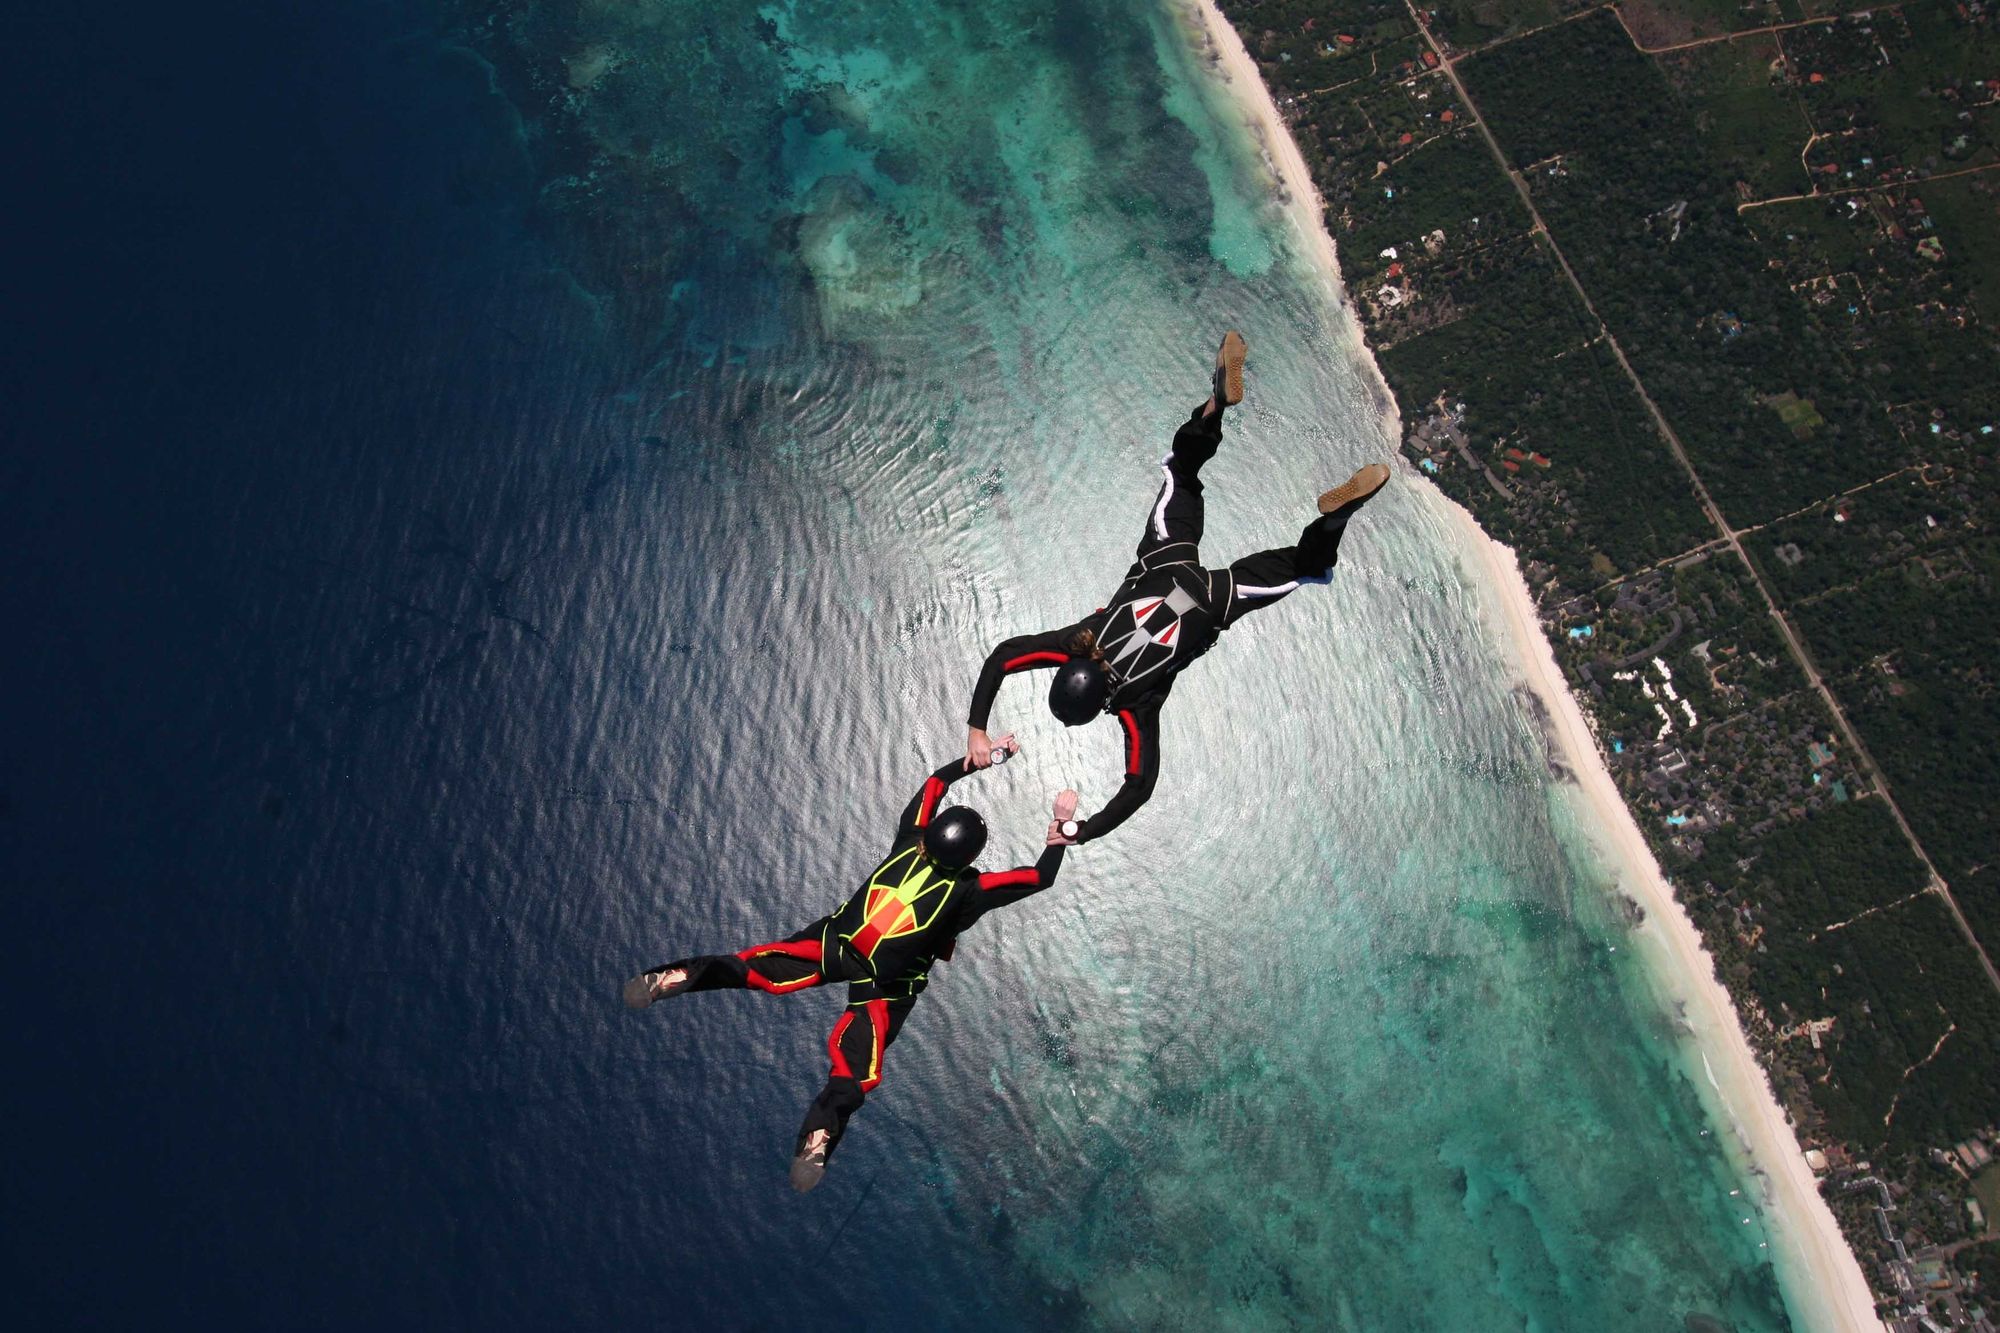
{"x": 1026, "y": 652}
{"x": 929, "y": 796}
{"x": 997, "y": 888}
{"x": 1140, "y": 730}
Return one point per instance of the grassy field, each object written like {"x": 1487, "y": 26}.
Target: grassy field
{"x": 1986, "y": 1188}
{"x": 1657, "y": 23}
{"x": 1751, "y": 118}
{"x": 1798, "y": 414}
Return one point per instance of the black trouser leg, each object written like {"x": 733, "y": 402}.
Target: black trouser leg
{"x": 1319, "y": 545}
{"x": 855, "y": 1050}
{"x": 784, "y": 965}
{"x": 1198, "y": 438}
{"x": 711, "y": 971}
{"x": 1177, "y": 512}
{"x": 1263, "y": 579}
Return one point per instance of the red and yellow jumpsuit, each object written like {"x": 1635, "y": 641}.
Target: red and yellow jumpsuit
{"x": 881, "y": 942}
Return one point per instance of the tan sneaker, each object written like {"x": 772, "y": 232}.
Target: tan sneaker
{"x": 1229, "y": 369}
{"x": 647, "y": 987}
{"x": 1356, "y": 491}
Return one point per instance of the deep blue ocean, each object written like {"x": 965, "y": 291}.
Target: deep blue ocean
{"x": 497, "y": 498}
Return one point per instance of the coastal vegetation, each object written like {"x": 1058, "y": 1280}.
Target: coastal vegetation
{"x": 1694, "y": 303}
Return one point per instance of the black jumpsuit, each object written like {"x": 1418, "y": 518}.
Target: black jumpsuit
{"x": 1168, "y": 611}
{"x": 881, "y": 942}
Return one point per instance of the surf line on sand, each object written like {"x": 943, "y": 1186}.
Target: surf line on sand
{"x": 1822, "y": 1279}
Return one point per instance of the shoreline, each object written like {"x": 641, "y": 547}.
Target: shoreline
{"x": 1828, "y": 1289}
{"x": 1831, "y": 1291}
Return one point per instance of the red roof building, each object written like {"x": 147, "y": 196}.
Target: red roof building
{"x": 1407, "y": 137}
{"x": 1430, "y": 59}
{"x": 1447, "y": 117}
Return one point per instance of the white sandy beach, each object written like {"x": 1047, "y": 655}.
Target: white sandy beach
{"x": 1822, "y": 1278}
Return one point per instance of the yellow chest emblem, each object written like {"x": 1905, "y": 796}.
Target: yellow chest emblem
{"x": 903, "y": 897}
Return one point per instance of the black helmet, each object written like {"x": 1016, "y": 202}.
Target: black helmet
{"x": 1078, "y": 692}
{"x": 955, "y": 837}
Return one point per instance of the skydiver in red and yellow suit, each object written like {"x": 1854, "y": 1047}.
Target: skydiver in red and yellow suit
{"x": 881, "y": 942}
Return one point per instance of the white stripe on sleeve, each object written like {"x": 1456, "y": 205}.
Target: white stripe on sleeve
{"x": 1160, "y": 509}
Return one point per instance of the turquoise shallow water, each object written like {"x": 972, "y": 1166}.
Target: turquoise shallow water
{"x": 1336, "y": 1034}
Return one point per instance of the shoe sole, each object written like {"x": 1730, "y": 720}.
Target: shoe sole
{"x": 639, "y": 990}
{"x": 1357, "y": 488}
{"x": 806, "y": 1173}
{"x": 1230, "y": 359}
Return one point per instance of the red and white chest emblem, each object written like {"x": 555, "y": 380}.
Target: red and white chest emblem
{"x": 1163, "y": 633}
{"x": 1142, "y": 635}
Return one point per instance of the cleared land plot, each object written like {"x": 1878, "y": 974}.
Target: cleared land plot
{"x": 1656, "y": 23}
{"x": 1986, "y": 1188}
{"x": 1747, "y": 110}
